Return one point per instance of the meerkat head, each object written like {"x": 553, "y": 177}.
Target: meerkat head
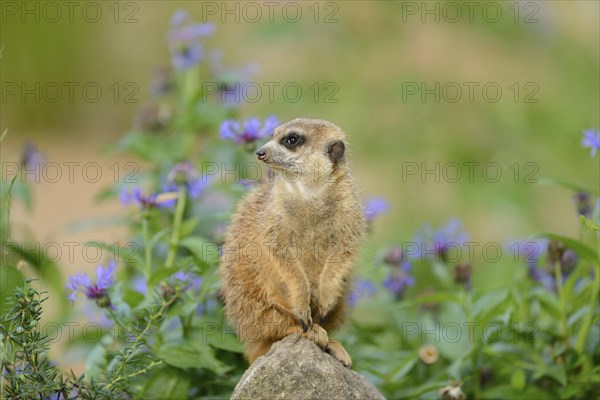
{"x": 306, "y": 147}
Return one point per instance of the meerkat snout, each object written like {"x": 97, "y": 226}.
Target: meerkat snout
{"x": 261, "y": 154}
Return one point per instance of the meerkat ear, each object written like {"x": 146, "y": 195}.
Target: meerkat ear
{"x": 336, "y": 150}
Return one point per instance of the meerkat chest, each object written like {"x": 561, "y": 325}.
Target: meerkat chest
{"x": 302, "y": 191}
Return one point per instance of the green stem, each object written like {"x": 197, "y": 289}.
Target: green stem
{"x": 133, "y": 374}
{"x": 191, "y": 84}
{"x": 589, "y": 317}
{"x": 561, "y": 301}
{"x": 475, "y": 374}
{"x": 184, "y": 326}
{"x": 117, "y": 320}
{"x": 8, "y": 204}
{"x": 174, "y": 243}
{"x": 147, "y": 245}
{"x": 467, "y": 305}
{"x": 138, "y": 340}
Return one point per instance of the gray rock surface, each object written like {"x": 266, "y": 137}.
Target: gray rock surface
{"x": 299, "y": 369}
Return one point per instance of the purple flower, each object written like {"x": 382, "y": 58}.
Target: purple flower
{"x": 187, "y": 280}
{"x": 32, "y": 160}
{"x": 398, "y": 279}
{"x": 184, "y": 173}
{"x": 528, "y": 250}
{"x": 591, "y": 139}
{"x": 31, "y": 157}
{"x": 98, "y": 290}
{"x": 186, "y": 49}
{"x": 568, "y": 261}
{"x": 231, "y": 82}
{"x": 206, "y": 307}
{"x": 542, "y": 270}
{"x": 362, "y": 288}
{"x": 439, "y": 242}
{"x": 541, "y": 276}
{"x": 163, "y": 200}
{"x": 374, "y": 207}
{"x": 583, "y": 202}
{"x": 249, "y": 131}
{"x": 394, "y": 256}
{"x": 139, "y": 284}
{"x": 462, "y": 274}
{"x": 162, "y": 81}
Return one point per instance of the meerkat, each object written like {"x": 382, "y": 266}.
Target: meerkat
{"x": 286, "y": 264}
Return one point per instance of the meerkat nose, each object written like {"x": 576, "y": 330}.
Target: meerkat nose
{"x": 261, "y": 154}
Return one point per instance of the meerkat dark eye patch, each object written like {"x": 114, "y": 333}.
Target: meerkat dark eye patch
{"x": 292, "y": 140}
{"x": 336, "y": 150}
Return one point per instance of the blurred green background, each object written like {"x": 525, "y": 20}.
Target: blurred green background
{"x": 373, "y": 51}
{"x": 370, "y": 53}
{"x": 365, "y": 55}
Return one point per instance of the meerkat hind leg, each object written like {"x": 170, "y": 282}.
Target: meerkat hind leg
{"x": 257, "y": 349}
{"x": 336, "y": 349}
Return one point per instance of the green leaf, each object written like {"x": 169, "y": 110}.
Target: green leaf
{"x": 158, "y": 236}
{"x": 518, "y": 379}
{"x": 437, "y": 297}
{"x": 190, "y": 354}
{"x": 96, "y": 360}
{"x": 403, "y": 368}
{"x": 159, "y": 275}
{"x": 132, "y": 297}
{"x": 219, "y": 338}
{"x": 22, "y": 191}
{"x": 203, "y": 249}
{"x": 121, "y": 254}
{"x": 558, "y": 373}
{"x": 547, "y": 300}
{"x": 117, "y": 297}
{"x": 159, "y": 150}
{"x": 588, "y": 224}
{"x": 47, "y": 270}
{"x": 187, "y": 227}
{"x": 571, "y": 391}
{"x": 440, "y": 271}
{"x": 167, "y": 383}
{"x": 489, "y": 303}
{"x": 506, "y": 391}
{"x": 11, "y": 279}
{"x": 419, "y": 391}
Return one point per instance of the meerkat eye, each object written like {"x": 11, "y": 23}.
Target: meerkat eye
{"x": 292, "y": 140}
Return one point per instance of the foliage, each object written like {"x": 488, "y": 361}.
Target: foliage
{"x": 424, "y": 323}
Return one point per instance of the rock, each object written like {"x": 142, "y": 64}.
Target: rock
{"x": 299, "y": 369}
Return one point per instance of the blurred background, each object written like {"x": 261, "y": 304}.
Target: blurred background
{"x": 498, "y": 93}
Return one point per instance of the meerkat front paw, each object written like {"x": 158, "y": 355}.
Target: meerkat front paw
{"x": 304, "y": 317}
{"x": 338, "y": 351}
{"x": 318, "y": 335}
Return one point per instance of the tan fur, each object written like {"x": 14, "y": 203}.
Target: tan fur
{"x": 287, "y": 259}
